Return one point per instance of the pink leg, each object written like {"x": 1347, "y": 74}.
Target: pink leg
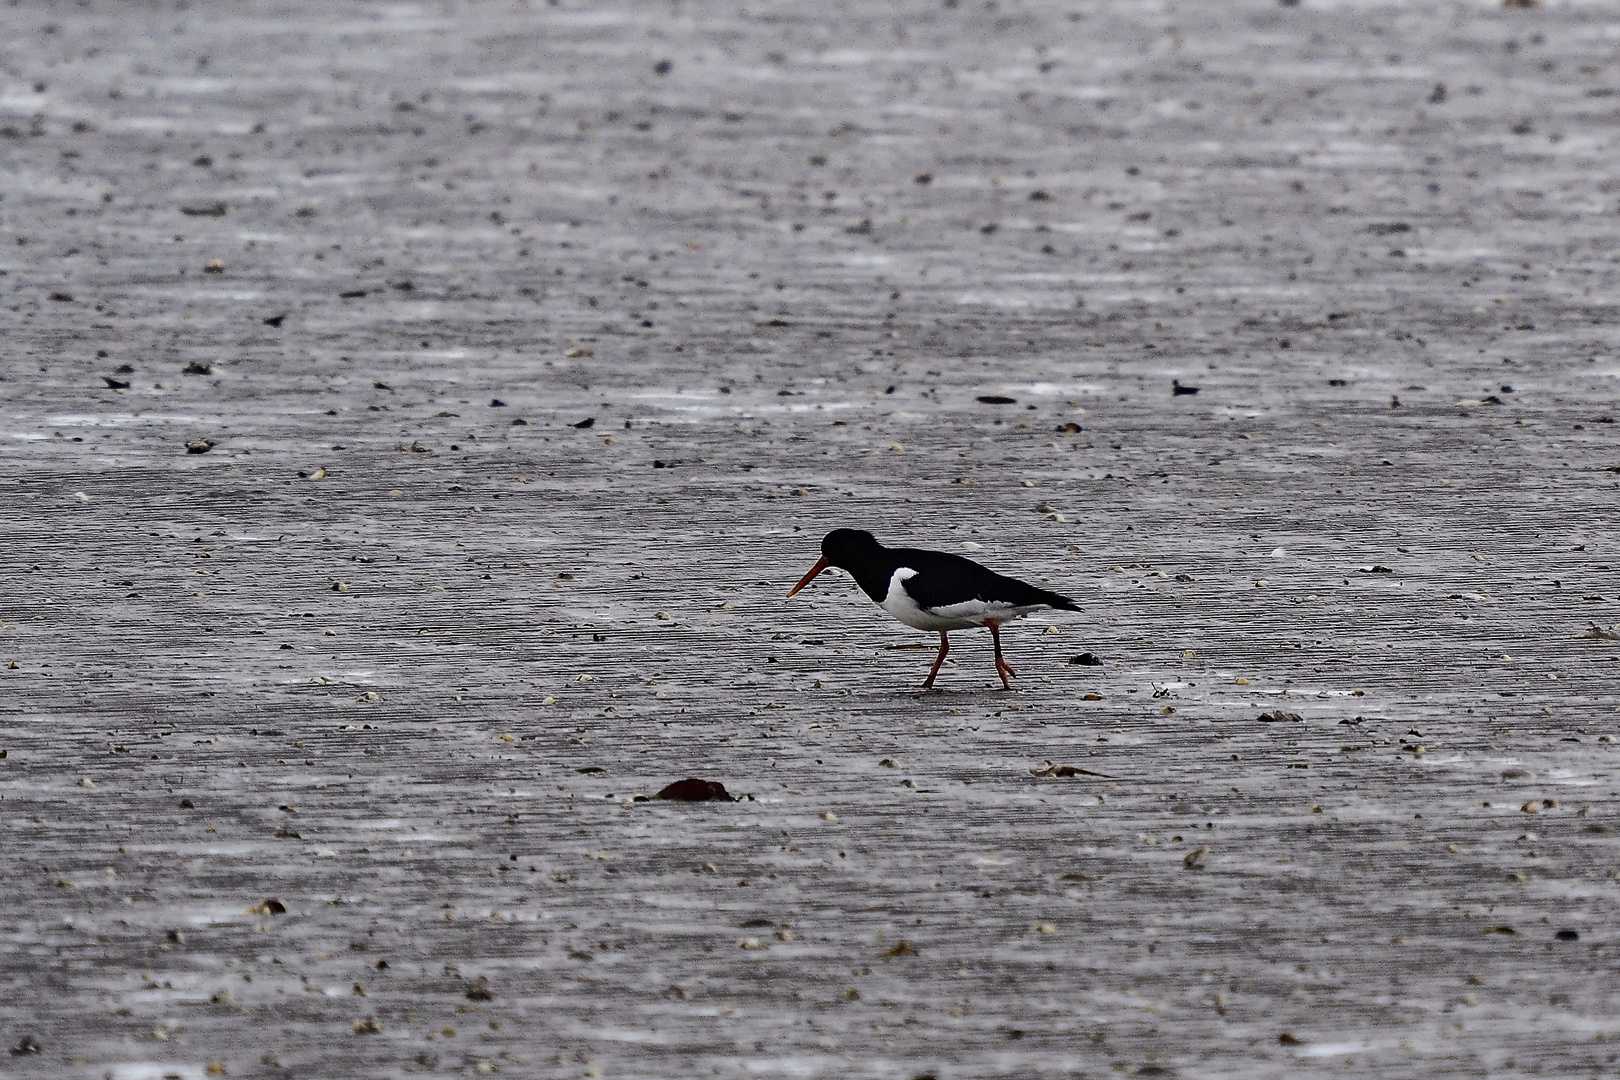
{"x": 1002, "y": 668}
{"x": 944, "y": 647}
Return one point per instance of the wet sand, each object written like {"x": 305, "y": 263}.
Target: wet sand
{"x": 494, "y": 369}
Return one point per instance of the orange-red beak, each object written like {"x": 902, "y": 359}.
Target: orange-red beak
{"x": 814, "y": 570}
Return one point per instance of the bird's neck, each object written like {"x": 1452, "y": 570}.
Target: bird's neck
{"x": 872, "y": 571}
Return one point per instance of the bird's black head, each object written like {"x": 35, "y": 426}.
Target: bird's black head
{"x": 855, "y": 551}
{"x": 845, "y": 548}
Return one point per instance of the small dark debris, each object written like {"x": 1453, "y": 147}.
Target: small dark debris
{"x": 996, "y": 399}
{"x": 1040, "y": 195}
{"x": 197, "y": 367}
{"x": 1070, "y": 428}
{"x": 26, "y": 1045}
{"x": 1568, "y": 935}
{"x": 661, "y": 464}
{"x": 62, "y": 297}
{"x": 479, "y": 990}
{"x": 352, "y": 294}
{"x": 213, "y": 209}
{"x": 663, "y": 67}
{"x": 1277, "y": 716}
{"x": 187, "y": 804}
{"x": 1389, "y": 228}
{"x": 115, "y": 384}
{"x": 129, "y": 369}
{"x": 496, "y": 403}
{"x": 588, "y": 422}
{"x": 923, "y": 178}
{"x": 988, "y": 229}
{"x": 520, "y": 422}
{"x": 1086, "y": 659}
{"x": 1376, "y": 568}
{"x": 378, "y": 384}
{"x": 694, "y": 790}
{"x": 1338, "y": 382}
{"x": 275, "y": 320}
{"x": 1288, "y": 1038}
{"x": 1438, "y": 94}
{"x": 199, "y": 446}
{"x": 1177, "y": 390}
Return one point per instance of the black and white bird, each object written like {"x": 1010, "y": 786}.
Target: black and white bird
{"x": 934, "y": 590}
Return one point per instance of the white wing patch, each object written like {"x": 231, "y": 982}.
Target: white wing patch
{"x": 902, "y": 606}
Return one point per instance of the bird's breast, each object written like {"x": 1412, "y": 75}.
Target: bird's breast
{"x": 903, "y": 606}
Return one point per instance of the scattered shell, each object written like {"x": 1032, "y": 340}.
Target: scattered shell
{"x": 1046, "y": 768}
{"x": 271, "y": 906}
{"x": 694, "y": 790}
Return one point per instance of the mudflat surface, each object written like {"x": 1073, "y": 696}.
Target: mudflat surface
{"x": 536, "y": 346}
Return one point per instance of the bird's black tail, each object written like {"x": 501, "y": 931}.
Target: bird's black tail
{"x": 1060, "y": 602}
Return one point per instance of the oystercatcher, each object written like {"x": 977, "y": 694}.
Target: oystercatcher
{"x": 933, "y": 590}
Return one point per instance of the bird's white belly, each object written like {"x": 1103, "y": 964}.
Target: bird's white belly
{"x": 900, "y": 604}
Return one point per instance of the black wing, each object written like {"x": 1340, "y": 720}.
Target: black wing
{"x": 944, "y": 579}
